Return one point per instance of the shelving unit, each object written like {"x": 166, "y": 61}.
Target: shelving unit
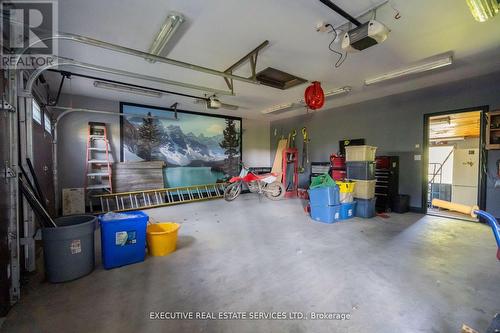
{"x": 493, "y": 130}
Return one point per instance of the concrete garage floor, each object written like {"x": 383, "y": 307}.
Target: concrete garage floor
{"x": 408, "y": 273}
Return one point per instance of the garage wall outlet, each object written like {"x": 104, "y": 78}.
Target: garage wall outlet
{"x": 417, "y": 157}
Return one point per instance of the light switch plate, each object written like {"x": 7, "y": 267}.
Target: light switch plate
{"x": 417, "y": 157}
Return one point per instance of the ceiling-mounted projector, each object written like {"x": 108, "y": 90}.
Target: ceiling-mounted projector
{"x": 366, "y": 35}
{"x": 213, "y": 103}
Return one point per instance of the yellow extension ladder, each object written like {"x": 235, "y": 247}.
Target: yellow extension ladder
{"x": 138, "y": 200}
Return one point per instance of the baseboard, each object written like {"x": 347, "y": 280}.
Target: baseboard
{"x": 418, "y": 210}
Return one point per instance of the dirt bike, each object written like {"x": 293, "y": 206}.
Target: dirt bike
{"x": 266, "y": 184}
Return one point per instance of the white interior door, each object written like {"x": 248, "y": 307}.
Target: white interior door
{"x": 465, "y": 176}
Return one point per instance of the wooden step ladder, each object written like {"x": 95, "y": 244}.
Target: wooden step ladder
{"x": 98, "y": 177}
{"x": 137, "y": 200}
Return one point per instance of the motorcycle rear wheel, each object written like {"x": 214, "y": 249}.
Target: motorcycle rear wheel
{"x": 232, "y": 191}
{"x": 274, "y": 191}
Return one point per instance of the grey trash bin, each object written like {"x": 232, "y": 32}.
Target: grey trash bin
{"x": 68, "y": 250}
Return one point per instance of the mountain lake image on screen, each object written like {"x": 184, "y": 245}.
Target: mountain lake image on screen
{"x": 197, "y": 148}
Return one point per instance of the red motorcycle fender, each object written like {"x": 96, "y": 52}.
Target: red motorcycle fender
{"x": 234, "y": 179}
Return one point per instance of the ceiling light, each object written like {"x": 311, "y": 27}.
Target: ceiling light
{"x": 127, "y": 89}
{"x": 442, "y": 127}
{"x": 483, "y": 10}
{"x": 338, "y": 91}
{"x": 281, "y": 107}
{"x": 441, "y": 121}
{"x": 172, "y": 23}
{"x": 420, "y": 68}
{"x": 213, "y": 103}
{"x": 277, "y": 108}
{"x": 454, "y": 138}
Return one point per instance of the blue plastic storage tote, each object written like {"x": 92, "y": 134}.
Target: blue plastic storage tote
{"x": 347, "y": 210}
{"x": 325, "y": 214}
{"x": 324, "y": 196}
{"x": 123, "y": 238}
{"x": 365, "y": 207}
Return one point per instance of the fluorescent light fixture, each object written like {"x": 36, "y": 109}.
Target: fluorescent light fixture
{"x": 454, "y": 138}
{"x": 420, "y": 68}
{"x": 483, "y": 10}
{"x": 338, "y": 91}
{"x": 277, "y": 108}
{"x": 127, "y": 89}
{"x": 172, "y": 23}
{"x": 441, "y": 122}
{"x": 281, "y": 107}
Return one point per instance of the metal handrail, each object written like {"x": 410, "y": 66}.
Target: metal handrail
{"x": 435, "y": 173}
{"x": 442, "y": 164}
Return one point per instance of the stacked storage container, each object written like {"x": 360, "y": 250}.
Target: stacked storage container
{"x": 338, "y": 171}
{"x": 347, "y": 203}
{"x": 360, "y": 162}
{"x": 325, "y": 205}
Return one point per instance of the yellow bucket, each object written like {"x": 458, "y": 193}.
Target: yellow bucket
{"x": 346, "y": 187}
{"x": 162, "y": 238}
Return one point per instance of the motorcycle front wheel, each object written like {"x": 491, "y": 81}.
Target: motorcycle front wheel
{"x": 274, "y": 191}
{"x": 232, "y": 191}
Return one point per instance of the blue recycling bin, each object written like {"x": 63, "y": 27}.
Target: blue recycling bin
{"x": 123, "y": 238}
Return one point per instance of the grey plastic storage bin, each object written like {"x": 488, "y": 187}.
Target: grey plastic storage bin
{"x": 361, "y": 170}
{"x": 365, "y": 208}
{"x": 68, "y": 250}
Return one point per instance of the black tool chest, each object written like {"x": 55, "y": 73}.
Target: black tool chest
{"x": 386, "y": 187}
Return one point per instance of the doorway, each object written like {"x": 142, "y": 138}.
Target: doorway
{"x": 453, "y": 160}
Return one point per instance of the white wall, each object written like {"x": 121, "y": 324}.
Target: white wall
{"x": 256, "y": 143}
{"x": 72, "y": 137}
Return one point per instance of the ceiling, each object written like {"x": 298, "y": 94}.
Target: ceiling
{"x": 220, "y": 32}
{"x": 457, "y": 125}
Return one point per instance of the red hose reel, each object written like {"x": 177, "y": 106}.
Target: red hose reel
{"x": 314, "y": 96}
